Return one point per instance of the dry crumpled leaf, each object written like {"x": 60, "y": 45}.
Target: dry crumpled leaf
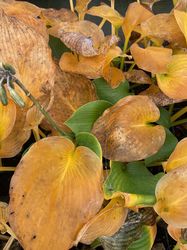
{"x": 12, "y": 144}
{"x": 81, "y": 7}
{"x": 152, "y": 59}
{"x": 53, "y": 16}
{"x": 171, "y": 202}
{"x": 7, "y": 119}
{"x": 165, "y": 27}
{"x": 106, "y": 223}
{"x": 70, "y": 92}
{"x": 178, "y": 156}
{"x": 28, "y": 52}
{"x": 106, "y": 12}
{"x": 181, "y": 18}
{"x": 124, "y": 130}
{"x": 134, "y": 15}
{"x": 158, "y": 97}
{"x": 174, "y": 82}
{"x": 137, "y": 76}
{"x": 83, "y": 37}
{"x": 178, "y": 235}
{"x": 58, "y": 183}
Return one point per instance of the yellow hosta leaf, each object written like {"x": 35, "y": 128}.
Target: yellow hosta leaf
{"x": 177, "y": 235}
{"x": 178, "y": 157}
{"x": 135, "y": 14}
{"x": 174, "y": 82}
{"x": 106, "y": 223}
{"x": 124, "y": 131}
{"x": 113, "y": 76}
{"x": 171, "y": 195}
{"x": 153, "y": 59}
{"x": 12, "y": 144}
{"x": 27, "y": 51}
{"x": 181, "y": 18}
{"x": 137, "y": 76}
{"x": 56, "y": 183}
{"x": 107, "y": 13}
{"x": 7, "y": 119}
{"x": 165, "y": 27}
{"x": 81, "y": 7}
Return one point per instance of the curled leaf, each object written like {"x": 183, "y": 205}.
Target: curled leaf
{"x": 152, "y": 59}
{"x": 174, "y": 82}
{"x": 124, "y": 130}
{"x": 106, "y": 223}
{"x": 171, "y": 202}
{"x": 137, "y": 76}
{"x": 64, "y": 181}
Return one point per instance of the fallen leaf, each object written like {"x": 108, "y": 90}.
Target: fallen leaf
{"x": 106, "y": 223}
{"x": 171, "y": 202}
{"x": 124, "y": 131}
{"x": 64, "y": 181}
{"x": 137, "y": 76}
{"x": 152, "y": 59}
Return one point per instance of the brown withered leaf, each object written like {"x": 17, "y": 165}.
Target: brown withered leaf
{"x": 12, "y": 145}
{"x": 83, "y": 37}
{"x": 58, "y": 183}
{"x": 81, "y": 7}
{"x": 28, "y": 52}
{"x": 165, "y": 27}
{"x": 3, "y": 216}
{"x": 152, "y": 59}
{"x": 131, "y": 20}
{"x": 53, "y": 16}
{"x": 137, "y": 76}
{"x": 70, "y": 92}
{"x": 158, "y": 97}
{"x": 124, "y": 130}
{"x": 106, "y": 223}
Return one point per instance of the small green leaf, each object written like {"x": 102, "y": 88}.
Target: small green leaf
{"x": 105, "y": 92}
{"x": 57, "y": 47}
{"x": 83, "y": 119}
{"x": 165, "y": 151}
{"x": 88, "y": 140}
{"x": 164, "y": 118}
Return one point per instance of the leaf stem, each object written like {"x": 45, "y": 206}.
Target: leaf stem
{"x": 179, "y": 122}
{"x": 171, "y": 107}
{"x": 112, "y": 26}
{"x": 178, "y": 114}
{"x": 9, "y": 243}
{"x": 102, "y": 23}
{"x": 71, "y": 5}
{"x": 124, "y": 51}
{"x": 7, "y": 169}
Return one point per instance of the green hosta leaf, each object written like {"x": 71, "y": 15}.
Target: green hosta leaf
{"x": 84, "y": 117}
{"x": 105, "y": 92}
{"x": 164, "y": 118}
{"x": 88, "y": 140}
{"x": 57, "y": 47}
{"x": 133, "y": 180}
{"x": 165, "y": 151}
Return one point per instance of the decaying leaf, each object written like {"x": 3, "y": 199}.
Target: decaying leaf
{"x": 174, "y": 82}
{"x": 158, "y": 97}
{"x": 165, "y": 27}
{"x": 171, "y": 202}
{"x": 58, "y": 183}
{"x": 83, "y": 37}
{"x": 137, "y": 76}
{"x": 70, "y": 92}
{"x": 124, "y": 130}
{"x": 178, "y": 157}
{"x": 106, "y": 223}
{"x": 131, "y": 20}
{"x": 7, "y": 119}
{"x": 28, "y": 52}
{"x": 113, "y": 76}
{"x": 106, "y": 12}
{"x": 152, "y": 59}
{"x": 81, "y": 7}
{"x": 178, "y": 235}
{"x": 181, "y": 18}
{"x": 3, "y": 216}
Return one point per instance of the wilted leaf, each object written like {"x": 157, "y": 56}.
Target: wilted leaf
{"x": 181, "y": 18}
{"x": 27, "y": 51}
{"x": 158, "y": 97}
{"x": 137, "y": 76}
{"x": 7, "y": 119}
{"x": 131, "y": 20}
{"x": 152, "y": 59}
{"x": 113, "y": 76}
{"x": 171, "y": 195}
{"x": 64, "y": 187}
{"x": 178, "y": 157}
{"x": 178, "y": 235}
{"x": 132, "y": 181}
{"x": 83, "y": 119}
{"x": 165, "y": 27}
{"x": 81, "y": 7}
{"x": 106, "y": 223}
{"x": 106, "y": 12}
{"x": 174, "y": 82}
{"x": 125, "y": 132}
